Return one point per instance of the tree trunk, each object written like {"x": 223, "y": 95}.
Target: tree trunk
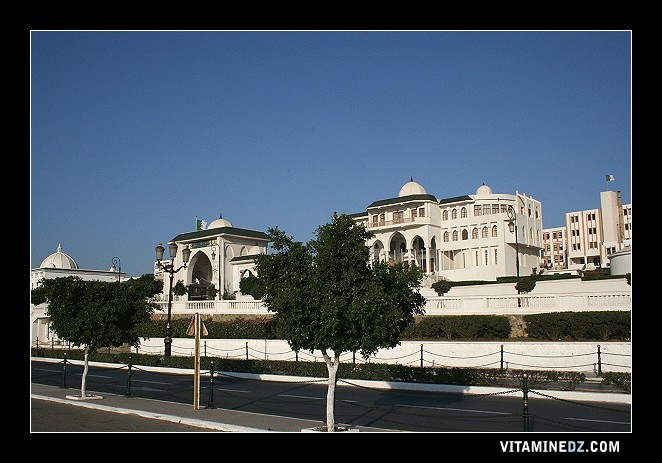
{"x": 332, "y": 366}
{"x": 82, "y": 386}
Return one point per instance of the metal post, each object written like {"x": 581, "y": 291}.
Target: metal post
{"x": 599, "y": 362}
{"x": 525, "y": 390}
{"x": 205, "y": 344}
{"x": 501, "y": 357}
{"x": 210, "y": 404}
{"x": 246, "y": 350}
{"x": 421, "y": 355}
{"x": 64, "y": 373}
{"x": 354, "y": 357}
{"x": 168, "y": 336}
{"x": 128, "y": 380}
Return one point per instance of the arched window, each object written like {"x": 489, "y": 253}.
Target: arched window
{"x": 446, "y": 237}
{"x": 463, "y": 212}
{"x": 494, "y": 231}
{"x": 484, "y": 232}
{"x": 465, "y": 234}
{"x": 454, "y": 214}
{"x": 454, "y": 235}
{"x": 444, "y": 215}
{"x": 474, "y": 234}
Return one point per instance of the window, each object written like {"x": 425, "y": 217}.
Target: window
{"x": 478, "y": 211}
{"x": 495, "y": 208}
{"x": 484, "y": 233}
{"x": 463, "y": 212}
{"x": 444, "y": 215}
{"x": 494, "y": 231}
{"x": 476, "y": 254}
{"x": 504, "y": 208}
{"x": 421, "y": 212}
{"x": 454, "y": 235}
{"x": 495, "y": 257}
{"x": 414, "y": 213}
{"x": 474, "y": 234}
{"x": 486, "y": 257}
{"x": 486, "y": 209}
{"x": 465, "y": 234}
{"x": 446, "y": 237}
{"x": 454, "y": 214}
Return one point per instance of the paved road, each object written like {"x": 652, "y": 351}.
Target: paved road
{"x": 48, "y": 416}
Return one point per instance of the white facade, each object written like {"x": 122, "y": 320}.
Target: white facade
{"x": 59, "y": 264}
{"x": 459, "y": 238}
{"x": 590, "y": 236}
{"x": 220, "y": 256}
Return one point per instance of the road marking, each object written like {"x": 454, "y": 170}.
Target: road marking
{"x": 231, "y": 390}
{"x": 145, "y": 381}
{"x": 302, "y": 397}
{"x": 453, "y": 409}
{"x": 599, "y": 421}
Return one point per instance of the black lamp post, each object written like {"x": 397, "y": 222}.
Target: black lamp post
{"x": 117, "y": 264}
{"x": 170, "y": 268}
{"x": 512, "y": 226}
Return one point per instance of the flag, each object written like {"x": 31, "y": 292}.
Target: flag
{"x": 198, "y": 224}
{"x": 203, "y": 225}
{"x": 609, "y": 178}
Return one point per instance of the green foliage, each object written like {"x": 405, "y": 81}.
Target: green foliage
{"x": 252, "y": 286}
{"x": 96, "y": 313}
{"x": 580, "y": 326}
{"x": 441, "y": 287}
{"x": 212, "y": 291}
{"x": 179, "y": 289}
{"x": 526, "y": 284}
{"x": 325, "y": 295}
{"x": 474, "y": 327}
{"x": 621, "y": 380}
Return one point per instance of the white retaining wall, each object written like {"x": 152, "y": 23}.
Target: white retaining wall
{"x": 520, "y": 355}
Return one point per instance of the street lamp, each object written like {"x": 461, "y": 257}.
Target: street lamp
{"x": 170, "y": 268}
{"x": 512, "y": 226}
{"x": 117, "y": 263}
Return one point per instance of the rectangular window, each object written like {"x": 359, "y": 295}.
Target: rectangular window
{"x": 477, "y": 211}
{"x": 421, "y": 212}
{"x": 495, "y": 208}
{"x": 486, "y": 209}
{"x": 414, "y": 213}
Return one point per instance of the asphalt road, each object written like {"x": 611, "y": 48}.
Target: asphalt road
{"x": 47, "y": 416}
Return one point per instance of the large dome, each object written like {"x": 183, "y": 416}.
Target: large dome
{"x": 411, "y": 188}
{"x": 484, "y": 190}
{"x": 219, "y": 223}
{"x": 59, "y": 260}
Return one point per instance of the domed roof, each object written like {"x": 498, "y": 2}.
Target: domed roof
{"x": 219, "y": 223}
{"x": 484, "y": 190}
{"x": 59, "y": 260}
{"x": 411, "y": 188}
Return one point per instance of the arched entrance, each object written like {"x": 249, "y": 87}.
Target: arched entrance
{"x": 201, "y": 277}
{"x": 397, "y": 248}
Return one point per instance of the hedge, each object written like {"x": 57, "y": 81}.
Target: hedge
{"x": 580, "y": 326}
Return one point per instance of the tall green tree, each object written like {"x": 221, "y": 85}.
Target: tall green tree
{"x": 328, "y": 296}
{"x": 96, "y": 314}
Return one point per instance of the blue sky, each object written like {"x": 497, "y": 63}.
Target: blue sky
{"x": 134, "y": 134}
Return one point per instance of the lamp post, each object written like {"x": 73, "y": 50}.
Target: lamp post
{"x": 117, "y": 264}
{"x": 512, "y": 226}
{"x": 170, "y": 268}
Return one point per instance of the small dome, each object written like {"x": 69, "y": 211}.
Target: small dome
{"x": 59, "y": 260}
{"x": 219, "y": 223}
{"x": 411, "y": 188}
{"x": 484, "y": 190}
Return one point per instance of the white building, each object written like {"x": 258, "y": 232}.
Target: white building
{"x": 460, "y": 238}
{"x": 220, "y": 256}
{"x": 59, "y": 264}
{"x": 590, "y": 236}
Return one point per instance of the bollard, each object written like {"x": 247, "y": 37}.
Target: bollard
{"x": 128, "y": 380}
{"x": 210, "y": 403}
{"x": 246, "y": 350}
{"x": 501, "y": 357}
{"x": 599, "y": 362}
{"x": 64, "y": 373}
{"x": 354, "y": 358}
{"x": 421, "y": 355}
{"x": 525, "y": 390}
